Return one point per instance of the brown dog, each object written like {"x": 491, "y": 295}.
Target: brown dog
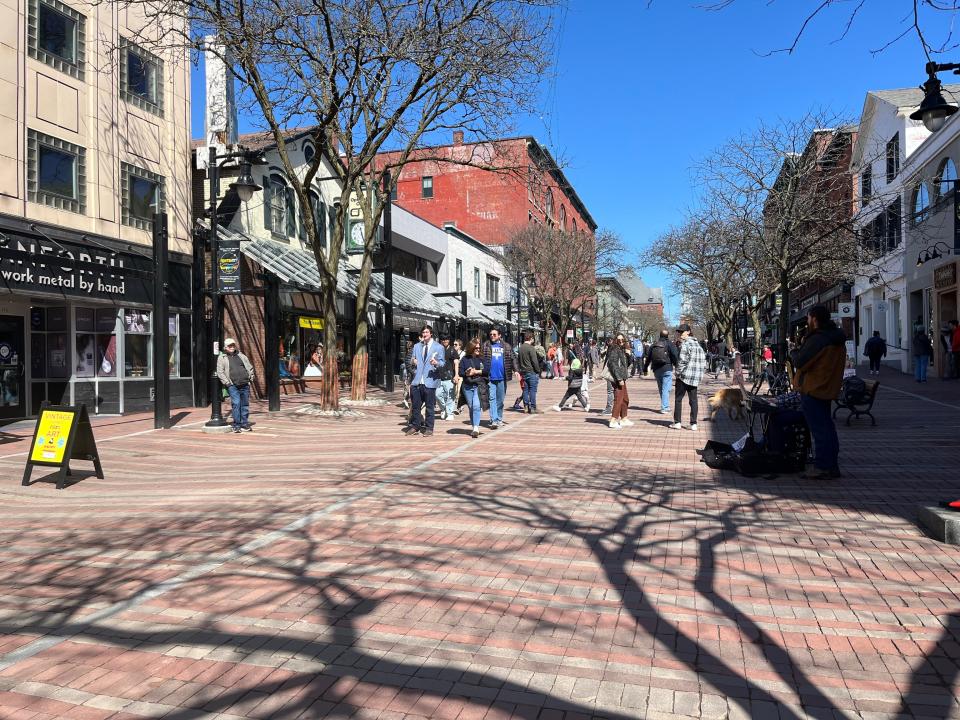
{"x": 729, "y": 398}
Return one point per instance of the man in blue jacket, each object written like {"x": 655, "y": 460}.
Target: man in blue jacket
{"x": 636, "y": 368}
{"x": 426, "y": 359}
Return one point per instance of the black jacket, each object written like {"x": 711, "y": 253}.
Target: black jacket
{"x": 617, "y": 363}
{"x": 672, "y": 353}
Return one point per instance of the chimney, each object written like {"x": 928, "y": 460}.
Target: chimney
{"x": 221, "y": 118}
{"x": 458, "y": 137}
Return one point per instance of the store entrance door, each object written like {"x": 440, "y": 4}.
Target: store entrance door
{"x": 13, "y": 401}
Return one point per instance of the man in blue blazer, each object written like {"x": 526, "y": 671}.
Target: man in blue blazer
{"x": 426, "y": 359}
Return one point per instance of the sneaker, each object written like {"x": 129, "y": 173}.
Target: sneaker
{"x": 816, "y": 474}
{"x": 587, "y": 408}
{"x": 411, "y": 430}
{"x": 663, "y": 411}
{"x": 443, "y": 415}
{"x": 675, "y": 426}
{"x": 557, "y": 408}
{"x": 475, "y": 433}
{"x": 626, "y": 423}
{"x": 246, "y": 428}
{"x": 615, "y": 425}
{"x": 606, "y": 413}
{"x": 693, "y": 427}
{"x": 494, "y": 425}
{"x": 236, "y": 428}
{"x": 427, "y": 433}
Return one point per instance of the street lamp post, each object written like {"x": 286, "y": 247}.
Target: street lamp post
{"x": 245, "y": 187}
{"x": 934, "y": 110}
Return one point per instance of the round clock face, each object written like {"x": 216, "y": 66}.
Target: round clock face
{"x": 356, "y": 234}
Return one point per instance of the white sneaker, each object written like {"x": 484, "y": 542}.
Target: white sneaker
{"x": 615, "y": 425}
{"x": 443, "y": 415}
{"x": 675, "y": 426}
{"x": 694, "y": 427}
{"x": 626, "y": 423}
{"x": 587, "y": 408}
{"x": 557, "y": 408}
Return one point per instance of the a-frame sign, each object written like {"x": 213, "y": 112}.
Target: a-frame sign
{"x": 63, "y": 433}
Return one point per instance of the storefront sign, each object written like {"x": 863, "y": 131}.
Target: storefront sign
{"x": 228, "y": 265}
{"x": 69, "y": 269}
{"x": 311, "y": 323}
{"x": 63, "y": 433}
{"x": 945, "y": 276}
{"x": 845, "y": 309}
{"x": 808, "y": 302}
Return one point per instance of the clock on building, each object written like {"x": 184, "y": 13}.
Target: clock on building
{"x": 355, "y": 239}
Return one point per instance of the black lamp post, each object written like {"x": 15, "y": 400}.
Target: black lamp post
{"x": 934, "y": 110}
{"x": 245, "y": 187}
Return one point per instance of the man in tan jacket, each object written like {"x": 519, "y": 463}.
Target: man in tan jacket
{"x": 818, "y": 365}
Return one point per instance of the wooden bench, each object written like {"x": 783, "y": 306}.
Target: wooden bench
{"x": 862, "y": 406}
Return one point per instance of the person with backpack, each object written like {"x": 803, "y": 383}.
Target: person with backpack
{"x": 876, "y": 350}
{"x": 691, "y": 364}
{"x": 662, "y": 359}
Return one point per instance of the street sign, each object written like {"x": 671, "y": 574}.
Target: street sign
{"x": 228, "y": 262}
{"x": 846, "y": 309}
{"x": 63, "y": 433}
{"x": 882, "y": 306}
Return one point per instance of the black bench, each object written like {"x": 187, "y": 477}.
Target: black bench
{"x": 859, "y": 406}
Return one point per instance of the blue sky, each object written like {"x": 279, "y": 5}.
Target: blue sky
{"x": 640, "y": 93}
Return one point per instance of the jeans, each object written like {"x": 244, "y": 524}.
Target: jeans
{"x": 472, "y": 394}
{"x": 445, "y": 396}
{"x": 875, "y": 363}
{"x": 826, "y": 445}
{"x": 530, "y": 381}
{"x": 574, "y": 393}
{"x": 691, "y": 392}
{"x": 420, "y": 396}
{"x": 240, "y": 404}
{"x": 498, "y": 394}
{"x": 664, "y": 378}
{"x": 621, "y": 401}
{"x": 637, "y": 367}
{"x": 920, "y": 363}
{"x": 609, "y": 408}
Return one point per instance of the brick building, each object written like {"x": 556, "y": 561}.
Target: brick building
{"x": 447, "y": 186}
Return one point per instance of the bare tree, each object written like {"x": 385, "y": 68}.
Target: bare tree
{"x": 365, "y": 75}
{"x": 563, "y": 266}
{"x": 645, "y": 323}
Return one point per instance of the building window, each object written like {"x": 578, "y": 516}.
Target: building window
{"x": 493, "y": 289}
{"x": 476, "y": 282}
{"x": 137, "y": 332}
{"x": 920, "y": 203}
{"x": 56, "y": 36}
{"x": 141, "y": 78}
{"x": 426, "y": 187}
{"x": 96, "y": 342}
{"x": 459, "y": 279}
{"x": 141, "y": 195}
{"x": 890, "y": 223}
{"x": 393, "y": 191}
{"x": 308, "y": 152}
{"x": 893, "y": 157}
{"x": 56, "y": 172}
{"x": 319, "y": 220}
{"x": 548, "y": 203}
{"x": 945, "y": 181}
{"x": 575, "y": 229}
{"x": 563, "y": 218}
{"x": 279, "y": 208}
{"x": 866, "y": 184}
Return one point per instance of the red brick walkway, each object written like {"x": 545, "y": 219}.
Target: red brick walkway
{"x": 325, "y": 567}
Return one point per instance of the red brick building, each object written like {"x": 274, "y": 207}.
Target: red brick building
{"x": 452, "y": 184}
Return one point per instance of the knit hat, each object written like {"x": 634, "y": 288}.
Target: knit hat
{"x": 575, "y": 365}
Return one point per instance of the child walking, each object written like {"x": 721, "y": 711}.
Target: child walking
{"x": 574, "y": 386}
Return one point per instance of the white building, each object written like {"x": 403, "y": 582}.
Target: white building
{"x": 886, "y": 140}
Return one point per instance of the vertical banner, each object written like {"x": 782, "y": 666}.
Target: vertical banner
{"x": 228, "y": 262}
{"x": 956, "y": 217}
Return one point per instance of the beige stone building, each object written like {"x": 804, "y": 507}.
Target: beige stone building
{"x": 94, "y": 139}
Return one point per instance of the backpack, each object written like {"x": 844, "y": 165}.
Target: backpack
{"x": 854, "y": 390}
{"x": 659, "y": 355}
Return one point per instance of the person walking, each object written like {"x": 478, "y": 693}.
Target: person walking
{"x": 475, "y": 373}
{"x": 426, "y": 359}
{"x": 499, "y": 357}
{"x": 590, "y": 358}
{"x": 691, "y": 364}
{"x": 818, "y": 364}
{"x": 617, "y": 368}
{"x": 574, "y": 387}
{"x": 236, "y": 373}
{"x": 457, "y": 378}
{"x": 875, "y": 349}
{"x": 530, "y": 372}
{"x": 445, "y": 396}
{"x": 636, "y": 347}
{"x": 922, "y": 352}
{"x": 557, "y": 361}
{"x": 603, "y": 372}
{"x": 662, "y": 358}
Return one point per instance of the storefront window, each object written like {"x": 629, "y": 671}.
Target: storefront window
{"x": 136, "y": 343}
{"x": 57, "y": 340}
{"x": 173, "y": 356}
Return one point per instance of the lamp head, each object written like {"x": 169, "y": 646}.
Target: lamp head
{"x": 244, "y": 184}
{"x": 934, "y": 110}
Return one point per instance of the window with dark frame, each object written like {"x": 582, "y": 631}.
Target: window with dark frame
{"x": 920, "y": 203}
{"x": 426, "y": 187}
{"x": 493, "y": 289}
{"x": 476, "y": 282}
{"x": 56, "y": 35}
{"x": 866, "y": 183}
{"x": 945, "y": 181}
{"x": 56, "y": 172}
{"x": 459, "y": 281}
{"x": 893, "y": 157}
{"x": 142, "y": 195}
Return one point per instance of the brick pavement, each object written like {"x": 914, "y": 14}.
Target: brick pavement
{"x": 325, "y": 567}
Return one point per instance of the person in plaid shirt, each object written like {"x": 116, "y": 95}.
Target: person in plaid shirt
{"x": 689, "y": 373}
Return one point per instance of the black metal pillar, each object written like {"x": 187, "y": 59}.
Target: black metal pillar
{"x": 161, "y": 324}
{"x": 271, "y": 330}
{"x": 387, "y": 345}
{"x": 201, "y": 336}
{"x": 216, "y": 401}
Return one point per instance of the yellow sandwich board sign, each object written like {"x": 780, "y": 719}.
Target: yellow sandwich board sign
{"x": 63, "y": 433}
